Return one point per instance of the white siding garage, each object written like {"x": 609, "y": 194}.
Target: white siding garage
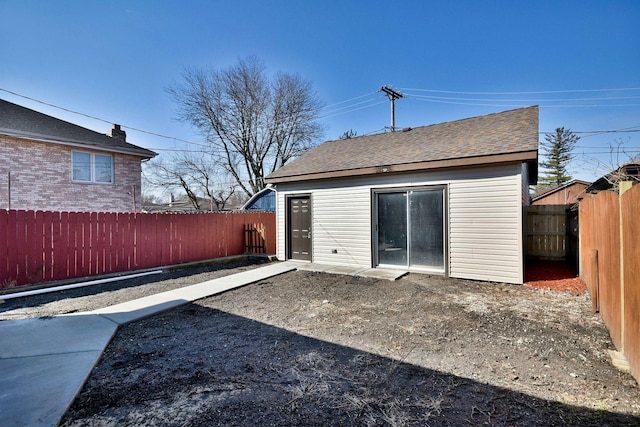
{"x": 461, "y": 215}
{"x": 483, "y": 220}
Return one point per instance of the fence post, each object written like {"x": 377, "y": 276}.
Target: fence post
{"x": 624, "y": 186}
{"x": 594, "y": 280}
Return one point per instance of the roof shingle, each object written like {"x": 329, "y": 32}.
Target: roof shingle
{"x": 478, "y": 140}
{"x": 22, "y": 122}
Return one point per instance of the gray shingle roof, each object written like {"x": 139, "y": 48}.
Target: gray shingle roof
{"x": 493, "y": 138}
{"x": 22, "y": 122}
{"x": 629, "y": 171}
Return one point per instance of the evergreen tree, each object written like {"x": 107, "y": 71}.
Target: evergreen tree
{"x": 558, "y": 152}
{"x": 349, "y": 134}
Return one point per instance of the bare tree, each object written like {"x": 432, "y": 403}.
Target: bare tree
{"x": 254, "y": 124}
{"x": 617, "y": 168}
{"x": 194, "y": 174}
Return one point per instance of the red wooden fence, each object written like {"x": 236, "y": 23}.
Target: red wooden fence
{"x": 39, "y": 246}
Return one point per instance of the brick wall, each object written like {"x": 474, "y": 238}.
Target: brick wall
{"x": 41, "y": 180}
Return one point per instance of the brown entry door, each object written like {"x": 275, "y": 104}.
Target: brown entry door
{"x": 299, "y": 228}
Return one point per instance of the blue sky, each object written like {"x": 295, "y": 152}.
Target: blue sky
{"x": 453, "y": 59}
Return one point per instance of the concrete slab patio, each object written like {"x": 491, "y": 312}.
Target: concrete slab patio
{"x": 44, "y": 362}
{"x": 376, "y": 273}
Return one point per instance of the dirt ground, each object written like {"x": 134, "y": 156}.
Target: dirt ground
{"x": 317, "y": 349}
{"x": 107, "y": 294}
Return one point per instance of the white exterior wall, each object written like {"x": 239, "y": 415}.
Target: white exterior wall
{"x": 485, "y": 229}
{"x": 341, "y": 220}
{"x": 484, "y": 217}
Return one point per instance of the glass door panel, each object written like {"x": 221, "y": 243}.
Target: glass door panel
{"x": 392, "y": 228}
{"x": 426, "y": 225}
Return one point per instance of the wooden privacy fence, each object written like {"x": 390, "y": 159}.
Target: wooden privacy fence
{"x": 610, "y": 265}
{"x": 547, "y": 231}
{"x": 39, "y": 246}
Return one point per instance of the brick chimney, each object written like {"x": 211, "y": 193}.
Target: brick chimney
{"x": 117, "y": 133}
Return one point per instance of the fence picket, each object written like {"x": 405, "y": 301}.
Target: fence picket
{"x": 46, "y": 226}
{"x": 128, "y": 241}
{"x": 44, "y": 246}
{"x": 61, "y": 259}
{"x": 85, "y": 243}
{"x": 21, "y": 235}
{"x": 630, "y": 205}
{"x": 4, "y": 248}
{"x": 73, "y": 245}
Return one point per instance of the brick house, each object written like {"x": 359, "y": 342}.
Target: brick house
{"x": 50, "y": 164}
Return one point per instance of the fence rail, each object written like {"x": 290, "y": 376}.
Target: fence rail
{"x": 610, "y": 265}
{"x": 41, "y": 246}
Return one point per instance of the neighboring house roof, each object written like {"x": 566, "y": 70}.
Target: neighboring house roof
{"x": 263, "y": 200}
{"x": 570, "y": 197}
{"x": 510, "y": 136}
{"x": 179, "y": 205}
{"x": 627, "y": 172}
{"x": 21, "y": 122}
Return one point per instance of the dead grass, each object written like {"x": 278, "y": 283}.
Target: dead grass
{"x": 317, "y": 379}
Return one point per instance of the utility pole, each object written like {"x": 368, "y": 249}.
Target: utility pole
{"x": 392, "y": 95}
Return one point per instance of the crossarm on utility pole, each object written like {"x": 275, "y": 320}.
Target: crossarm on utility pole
{"x": 392, "y": 95}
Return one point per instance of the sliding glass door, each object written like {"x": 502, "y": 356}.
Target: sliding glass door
{"x": 426, "y": 225}
{"x": 410, "y": 228}
{"x": 392, "y": 232}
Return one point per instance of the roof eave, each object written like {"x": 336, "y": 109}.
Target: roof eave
{"x": 524, "y": 156}
{"x": 143, "y": 153}
{"x": 559, "y": 188}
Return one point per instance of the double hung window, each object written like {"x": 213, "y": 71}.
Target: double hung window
{"x": 91, "y": 167}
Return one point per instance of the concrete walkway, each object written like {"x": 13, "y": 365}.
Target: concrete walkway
{"x": 44, "y": 362}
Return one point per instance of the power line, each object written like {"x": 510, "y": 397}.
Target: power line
{"x": 584, "y": 153}
{"x": 523, "y": 93}
{"x": 173, "y": 137}
{"x": 547, "y": 102}
{"x": 352, "y": 110}
{"x": 371, "y": 103}
{"x": 321, "y": 116}
{"x": 346, "y": 107}
{"x": 102, "y": 120}
{"x": 430, "y": 97}
{"x": 597, "y": 132}
{"x": 520, "y": 104}
{"x": 348, "y": 100}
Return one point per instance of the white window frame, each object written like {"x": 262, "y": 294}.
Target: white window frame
{"x": 92, "y": 168}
